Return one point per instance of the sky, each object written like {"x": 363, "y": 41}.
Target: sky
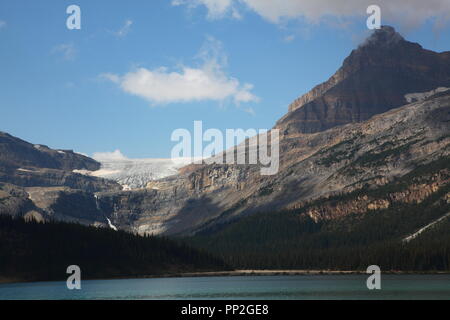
{"x": 137, "y": 70}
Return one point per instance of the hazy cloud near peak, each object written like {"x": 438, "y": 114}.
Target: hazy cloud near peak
{"x": 216, "y": 8}
{"x": 208, "y": 81}
{"x": 409, "y": 13}
{"x": 109, "y": 156}
{"x": 2, "y": 24}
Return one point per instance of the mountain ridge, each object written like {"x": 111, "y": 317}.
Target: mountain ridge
{"x": 15, "y": 152}
{"x": 313, "y": 166}
{"x": 374, "y": 78}
{"x": 333, "y": 158}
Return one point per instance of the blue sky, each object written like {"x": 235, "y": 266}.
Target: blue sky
{"x": 123, "y": 80}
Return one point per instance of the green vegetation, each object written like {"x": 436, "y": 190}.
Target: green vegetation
{"x": 292, "y": 240}
{"x": 335, "y": 158}
{"x": 336, "y": 155}
{"x": 421, "y": 174}
{"x": 43, "y": 251}
{"x": 377, "y": 159}
{"x": 265, "y": 191}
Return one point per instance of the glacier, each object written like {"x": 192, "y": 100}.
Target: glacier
{"x": 135, "y": 173}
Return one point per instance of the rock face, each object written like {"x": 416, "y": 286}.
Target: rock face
{"x": 373, "y": 79}
{"x": 312, "y": 167}
{"x": 27, "y": 165}
{"x": 14, "y": 200}
{"x": 17, "y": 153}
{"x": 413, "y": 193}
{"x": 38, "y": 183}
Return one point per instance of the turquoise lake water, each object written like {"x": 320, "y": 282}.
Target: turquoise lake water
{"x": 335, "y": 287}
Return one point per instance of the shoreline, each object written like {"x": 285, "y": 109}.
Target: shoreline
{"x": 238, "y": 273}
{"x": 262, "y": 273}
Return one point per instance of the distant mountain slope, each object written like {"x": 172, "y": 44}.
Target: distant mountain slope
{"x": 35, "y": 179}
{"x": 348, "y": 231}
{"x": 18, "y": 153}
{"x": 373, "y": 79}
{"x": 312, "y": 166}
{"x": 34, "y": 165}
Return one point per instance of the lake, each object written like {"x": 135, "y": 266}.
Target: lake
{"x": 303, "y": 287}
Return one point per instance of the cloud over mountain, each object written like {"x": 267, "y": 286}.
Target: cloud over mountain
{"x": 409, "y": 13}
{"x": 109, "y": 156}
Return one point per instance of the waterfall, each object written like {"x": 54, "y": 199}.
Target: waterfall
{"x": 111, "y": 225}
{"x": 97, "y": 205}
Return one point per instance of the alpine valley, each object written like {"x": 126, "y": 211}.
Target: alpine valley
{"x": 364, "y": 177}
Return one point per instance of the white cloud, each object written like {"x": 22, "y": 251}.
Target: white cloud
{"x": 111, "y": 77}
{"x": 2, "y": 24}
{"x": 409, "y": 13}
{"x": 123, "y": 31}
{"x": 67, "y": 50}
{"x": 109, "y": 156}
{"x": 216, "y": 8}
{"x": 208, "y": 81}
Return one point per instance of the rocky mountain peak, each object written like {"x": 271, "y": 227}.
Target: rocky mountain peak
{"x": 384, "y": 37}
{"x": 373, "y": 79}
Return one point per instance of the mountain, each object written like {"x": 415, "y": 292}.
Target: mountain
{"x": 37, "y": 181}
{"x": 17, "y": 153}
{"x": 313, "y": 167}
{"x": 387, "y": 117}
{"x": 402, "y": 225}
{"x": 373, "y": 79}
{"x": 34, "y": 165}
{"x": 395, "y": 135}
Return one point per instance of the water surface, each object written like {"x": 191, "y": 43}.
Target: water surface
{"x": 305, "y": 287}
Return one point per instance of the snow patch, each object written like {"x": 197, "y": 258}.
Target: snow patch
{"x": 126, "y": 187}
{"x": 420, "y": 96}
{"x": 81, "y": 153}
{"x": 417, "y": 233}
{"x": 137, "y": 173}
